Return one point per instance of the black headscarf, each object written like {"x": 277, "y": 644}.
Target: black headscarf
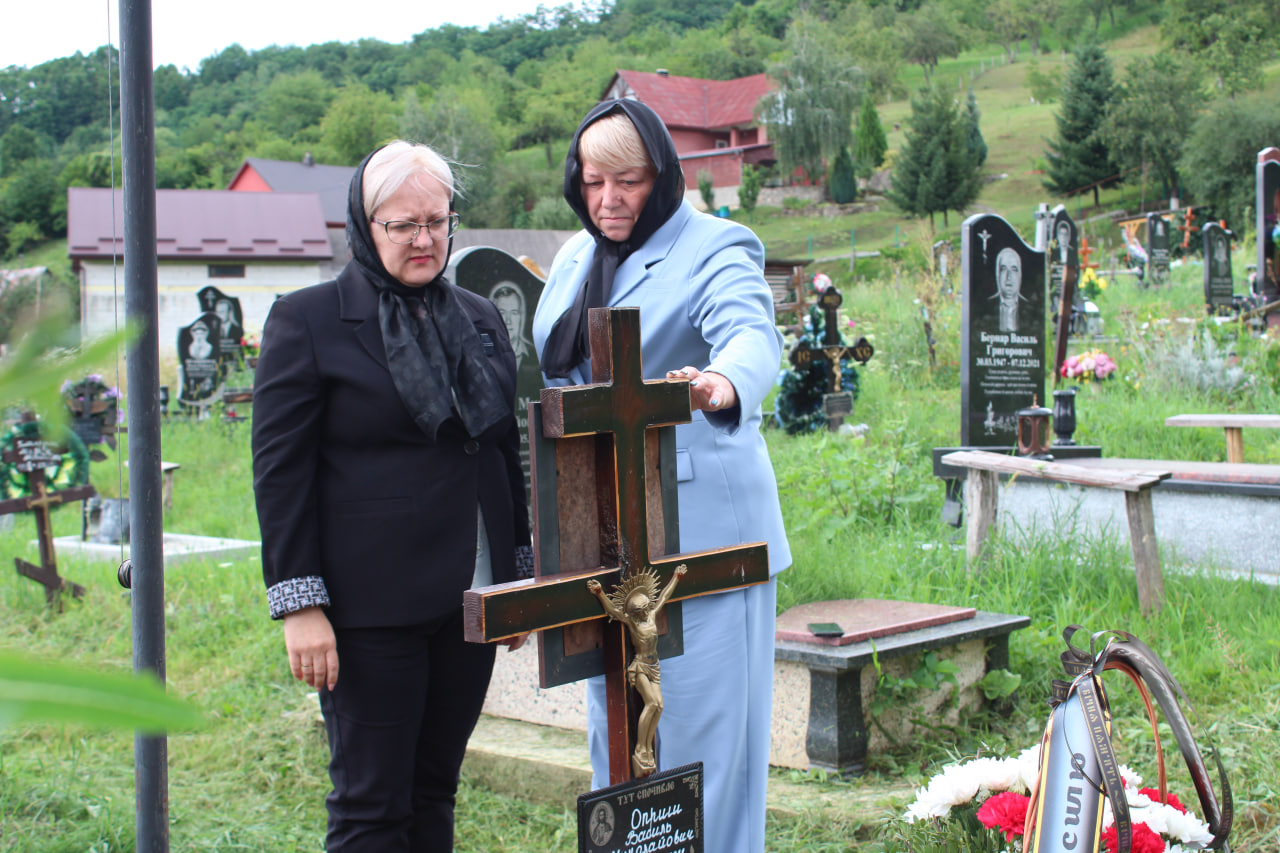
{"x": 438, "y": 364}
{"x": 568, "y": 343}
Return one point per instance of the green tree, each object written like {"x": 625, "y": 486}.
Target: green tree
{"x": 16, "y": 146}
{"x": 810, "y": 114}
{"x": 973, "y": 130}
{"x": 1232, "y": 39}
{"x": 870, "y": 144}
{"x": 1149, "y": 120}
{"x": 1221, "y": 152}
{"x": 935, "y": 172}
{"x": 356, "y": 122}
{"x": 1078, "y": 155}
{"x": 928, "y": 35}
{"x": 749, "y": 189}
{"x": 292, "y": 102}
{"x": 875, "y": 46}
{"x": 707, "y": 189}
{"x": 843, "y": 182}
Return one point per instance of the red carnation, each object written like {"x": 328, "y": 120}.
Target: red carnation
{"x": 1006, "y": 812}
{"x": 1154, "y": 796}
{"x": 1144, "y": 840}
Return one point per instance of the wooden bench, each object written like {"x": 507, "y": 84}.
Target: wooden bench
{"x": 166, "y": 491}
{"x": 1232, "y": 425}
{"x": 982, "y": 489}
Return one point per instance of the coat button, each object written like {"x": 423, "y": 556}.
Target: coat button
{"x": 471, "y": 448}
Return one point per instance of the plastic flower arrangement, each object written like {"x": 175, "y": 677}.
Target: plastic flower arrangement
{"x": 1092, "y": 284}
{"x": 981, "y": 805}
{"x": 91, "y": 397}
{"x": 250, "y": 343}
{"x": 800, "y": 390}
{"x": 1094, "y": 364}
{"x": 821, "y": 281}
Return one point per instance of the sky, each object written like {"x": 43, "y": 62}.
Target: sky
{"x": 184, "y": 33}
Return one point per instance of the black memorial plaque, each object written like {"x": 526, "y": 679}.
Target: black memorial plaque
{"x": 1064, "y": 256}
{"x": 230, "y": 320}
{"x": 514, "y": 290}
{"x": 1267, "y": 283}
{"x": 1002, "y": 359}
{"x": 1157, "y": 248}
{"x": 200, "y": 359}
{"x": 33, "y": 455}
{"x": 661, "y": 813}
{"x": 1219, "y": 289}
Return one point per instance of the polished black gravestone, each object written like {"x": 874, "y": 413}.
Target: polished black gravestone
{"x": 1064, "y": 275}
{"x": 230, "y": 320}
{"x": 1002, "y": 345}
{"x": 514, "y": 290}
{"x": 661, "y": 813}
{"x": 1267, "y": 207}
{"x": 1219, "y": 289}
{"x": 200, "y": 362}
{"x": 1157, "y": 249}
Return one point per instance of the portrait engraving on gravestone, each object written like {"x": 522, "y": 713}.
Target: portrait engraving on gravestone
{"x": 1267, "y": 221}
{"x": 1218, "y": 285}
{"x": 1064, "y": 255}
{"x": 514, "y": 290}
{"x": 659, "y": 814}
{"x": 230, "y": 318}
{"x": 1003, "y": 340}
{"x": 200, "y": 359}
{"x": 1157, "y": 248}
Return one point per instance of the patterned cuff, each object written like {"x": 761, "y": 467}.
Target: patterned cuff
{"x": 524, "y": 561}
{"x": 294, "y": 594}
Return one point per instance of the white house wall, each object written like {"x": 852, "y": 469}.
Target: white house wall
{"x": 102, "y": 290}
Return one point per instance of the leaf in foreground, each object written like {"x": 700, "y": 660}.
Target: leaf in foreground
{"x": 34, "y": 690}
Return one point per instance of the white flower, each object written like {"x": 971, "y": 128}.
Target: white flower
{"x": 1130, "y": 779}
{"x": 1029, "y": 767}
{"x": 1186, "y": 827}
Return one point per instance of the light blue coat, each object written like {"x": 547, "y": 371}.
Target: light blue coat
{"x": 698, "y": 282}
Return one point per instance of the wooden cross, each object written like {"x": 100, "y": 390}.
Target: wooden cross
{"x": 1085, "y": 252}
{"x": 833, "y": 349}
{"x": 31, "y": 457}
{"x": 618, "y": 410}
{"x": 1187, "y": 227}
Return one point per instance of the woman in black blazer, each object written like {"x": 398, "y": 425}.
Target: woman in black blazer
{"x": 387, "y": 477}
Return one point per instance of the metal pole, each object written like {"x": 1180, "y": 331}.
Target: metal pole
{"x": 137, "y": 124}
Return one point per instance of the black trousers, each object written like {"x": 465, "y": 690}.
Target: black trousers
{"x": 407, "y": 700}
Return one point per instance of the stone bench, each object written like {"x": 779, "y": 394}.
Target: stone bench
{"x": 824, "y": 688}
{"x": 1232, "y": 425}
{"x": 982, "y": 496}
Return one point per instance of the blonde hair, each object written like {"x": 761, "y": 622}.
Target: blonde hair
{"x": 614, "y": 145}
{"x": 395, "y": 165}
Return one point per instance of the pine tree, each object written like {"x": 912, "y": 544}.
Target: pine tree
{"x": 936, "y": 171}
{"x": 870, "y": 144}
{"x": 843, "y": 181}
{"x": 1078, "y": 156}
{"x": 973, "y": 132}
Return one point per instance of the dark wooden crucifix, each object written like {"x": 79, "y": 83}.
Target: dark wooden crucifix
{"x": 30, "y": 456}
{"x": 836, "y": 403}
{"x": 604, "y": 481}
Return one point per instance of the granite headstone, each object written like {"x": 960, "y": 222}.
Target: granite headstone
{"x": 1267, "y": 283}
{"x": 1002, "y": 360}
{"x": 230, "y": 318}
{"x": 1157, "y": 248}
{"x": 200, "y": 360}
{"x": 1219, "y": 290}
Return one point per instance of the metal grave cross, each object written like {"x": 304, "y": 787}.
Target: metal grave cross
{"x": 836, "y": 403}
{"x": 615, "y": 414}
{"x": 30, "y": 456}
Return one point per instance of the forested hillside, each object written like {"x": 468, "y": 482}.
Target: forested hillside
{"x": 504, "y": 99}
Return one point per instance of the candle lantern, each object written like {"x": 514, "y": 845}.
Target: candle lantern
{"x": 1033, "y": 431}
{"x": 1064, "y": 416}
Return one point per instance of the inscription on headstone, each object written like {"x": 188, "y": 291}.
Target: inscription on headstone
{"x": 199, "y": 359}
{"x": 514, "y": 290}
{"x": 1002, "y": 360}
{"x": 661, "y": 813}
{"x": 230, "y": 319}
{"x": 1157, "y": 248}
{"x": 1219, "y": 290}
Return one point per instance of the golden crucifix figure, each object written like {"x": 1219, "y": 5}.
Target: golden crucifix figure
{"x": 636, "y": 602}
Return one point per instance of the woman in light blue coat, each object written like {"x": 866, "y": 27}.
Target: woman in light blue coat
{"x": 706, "y": 313}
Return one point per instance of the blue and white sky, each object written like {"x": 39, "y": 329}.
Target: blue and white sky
{"x": 184, "y": 33}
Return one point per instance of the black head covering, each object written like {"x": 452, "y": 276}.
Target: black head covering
{"x": 437, "y": 362}
{"x": 568, "y": 344}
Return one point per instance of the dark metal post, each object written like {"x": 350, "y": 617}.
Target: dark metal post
{"x": 137, "y": 123}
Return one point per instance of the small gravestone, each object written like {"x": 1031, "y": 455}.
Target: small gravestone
{"x": 200, "y": 360}
{"x": 1064, "y": 274}
{"x": 1157, "y": 248}
{"x": 836, "y": 402}
{"x": 514, "y": 290}
{"x": 1002, "y": 359}
{"x": 230, "y": 320}
{"x": 661, "y": 813}
{"x": 1219, "y": 290}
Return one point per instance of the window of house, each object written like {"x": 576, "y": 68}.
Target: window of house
{"x": 226, "y": 270}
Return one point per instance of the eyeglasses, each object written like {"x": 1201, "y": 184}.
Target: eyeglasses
{"x": 403, "y": 231}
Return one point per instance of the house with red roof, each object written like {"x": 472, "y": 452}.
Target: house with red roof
{"x": 712, "y": 123}
{"x": 254, "y": 246}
